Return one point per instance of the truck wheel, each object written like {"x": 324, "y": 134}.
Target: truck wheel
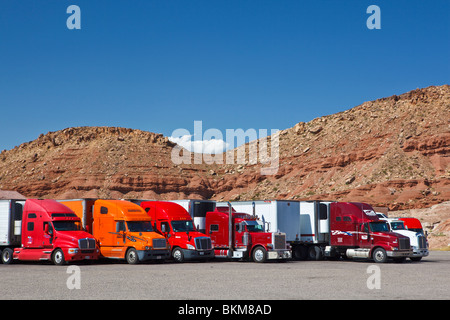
{"x": 58, "y": 257}
{"x": 315, "y": 253}
{"x": 131, "y": 256}
{"x": 379, "y": 255}
{"x": 259, "y": 254}
{"x": 300, "y": 252}
{"x": 7, "y": 256}
{"x": 177, "y": 255}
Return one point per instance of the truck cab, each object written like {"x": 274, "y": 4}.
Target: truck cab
{"x": 122, "y": 229}
{"x": 241, "y": 235}
{"x": 357, "y": 232}
{"x": 176, "y": 225}
{"x": 51, "y": 231}
{"x": 419, "y": 244}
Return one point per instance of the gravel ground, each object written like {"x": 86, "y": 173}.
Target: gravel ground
{"x": 224, "y": 280}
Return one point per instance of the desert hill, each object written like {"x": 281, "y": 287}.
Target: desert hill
{"x": 392, "y": 152}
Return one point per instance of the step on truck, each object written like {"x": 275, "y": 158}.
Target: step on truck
{"x": 242, "y": 236}
{"x": 318, "y": 229}
{"x": 174, "y": 222}
{"x": 33, "y": 230}
{"x": 418, "y": 241}
{"x": 123, "y": 230}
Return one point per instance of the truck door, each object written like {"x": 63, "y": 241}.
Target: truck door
{"x": 364, "y": 235}
{"x": 120, "y": 232}
{"x": 48, "y": 236}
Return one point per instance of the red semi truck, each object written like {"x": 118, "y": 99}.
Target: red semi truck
{"x": 242, "y": 236}
{"x": 357, "y": 232}
{"x": 175, "y": 223}
{"x": 36, "y": 230}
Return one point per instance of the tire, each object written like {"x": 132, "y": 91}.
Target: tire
{"x": 58, "y": 257}
{"x": 131, "y": 256}
{"x": 315, "y": 253}
{"x": 300, "y": 253}
{"x": 379, "y": 255}
{"x": 7, "y": 256}
{"x": 259, "y": 254}
{"x": 177, "y": 255}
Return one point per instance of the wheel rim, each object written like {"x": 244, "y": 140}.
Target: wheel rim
{"x": 58, "y": 257}
{"x": 259, "y": 255}
{"x": 132, "y": 256}
{"x": 379, "y": 255}
{"x": 6, "y": 256}
{"x": 177, "y": 255}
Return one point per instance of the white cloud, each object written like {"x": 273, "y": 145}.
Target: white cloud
{"x": 211, "y": 146}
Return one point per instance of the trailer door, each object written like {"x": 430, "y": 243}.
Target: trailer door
{"x": 199, "y": 210}
{"x": 324, "y": 222}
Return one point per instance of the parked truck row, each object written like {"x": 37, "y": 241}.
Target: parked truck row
{"x": 148, "y": 230}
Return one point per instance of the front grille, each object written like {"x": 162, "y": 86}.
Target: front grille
{"x": 86, "y": 244}
{"x": 280, "y": 241}
{"x": 404, "y": 244}
{"x": 203, "y": 243}
{"x": 159, "y": 243}
{"x": 422, "y": 242}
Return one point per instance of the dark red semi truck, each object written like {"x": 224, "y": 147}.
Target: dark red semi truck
{"x": 36, "y": 230}
{"x": 357, "y": 232}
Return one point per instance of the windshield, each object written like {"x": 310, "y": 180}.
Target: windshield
{"x": 66, "y": 226}
{"x": 397, "y": 225}
{"x": 254, "y": 226}
{"x": 182, "y": 226}
{"x": 379, "y": 226}
{"x": 139, "y": 226}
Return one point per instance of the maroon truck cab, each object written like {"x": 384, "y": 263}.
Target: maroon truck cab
{"x": 51, "y": 231}
{"x": 175, "y": 223}
{"x": 247, "y": 238}
{"x": 357, "y": 232}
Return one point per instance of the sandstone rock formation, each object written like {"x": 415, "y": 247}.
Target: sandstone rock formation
{"x": 392, "y": 152}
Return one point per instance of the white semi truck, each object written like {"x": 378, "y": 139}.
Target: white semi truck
{"x": 419, "y": 244}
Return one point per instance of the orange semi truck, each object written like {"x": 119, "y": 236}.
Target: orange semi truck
{"x": 122, "y": 229}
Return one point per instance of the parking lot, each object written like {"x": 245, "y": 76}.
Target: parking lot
{"x": 224, "y": 280}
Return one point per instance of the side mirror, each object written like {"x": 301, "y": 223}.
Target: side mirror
{"x": 47, "y": 229}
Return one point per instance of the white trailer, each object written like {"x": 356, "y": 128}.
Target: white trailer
{"x": 197, "y": 210}
{"x": 306, "y": 223}
{"x": 10, "y": 223}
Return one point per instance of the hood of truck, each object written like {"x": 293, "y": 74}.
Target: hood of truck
{"x": 387, "y": 236}
{"x": 71, "y": 237}
{"x": 261, "y": 237}
{"x": 183, "y": 236}
{"x": 147, "y": 239}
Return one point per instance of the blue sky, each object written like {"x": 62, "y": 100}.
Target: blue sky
{"x": 161, "y": 65}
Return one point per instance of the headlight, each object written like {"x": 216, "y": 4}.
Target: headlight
{"x": 190, "y": 247}
{"x": 73, "y": 250}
